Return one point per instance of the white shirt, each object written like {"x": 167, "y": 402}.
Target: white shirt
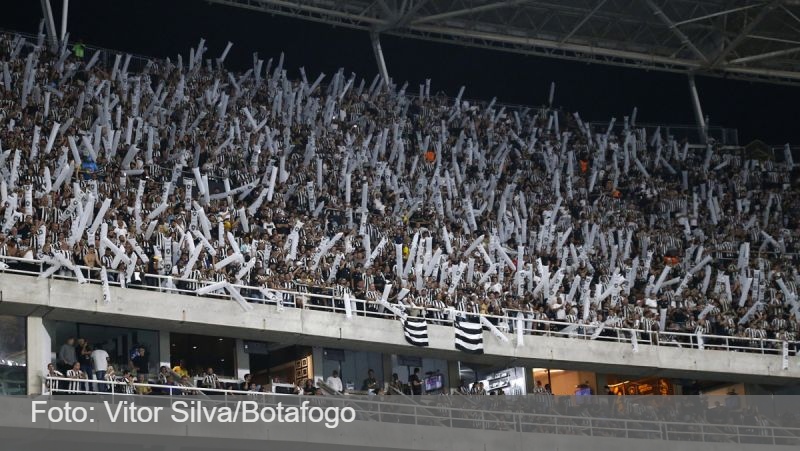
{"x": 334, "y": 383}
{"x": 99, "y": 360}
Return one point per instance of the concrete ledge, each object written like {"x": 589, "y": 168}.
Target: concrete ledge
{"x": 69, "y": 301}
{"x": 19, "y": 432}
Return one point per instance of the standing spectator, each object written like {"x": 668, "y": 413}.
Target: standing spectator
{"x": 66, "y": 355}
{"x": 334, "y": 382}
{"x": 140, "y": 363}
{"x": 83, "y": 353}
{"x": 415, "y": 382}
{"x": 370, "y": 383}
{"x": 100, "y": 365}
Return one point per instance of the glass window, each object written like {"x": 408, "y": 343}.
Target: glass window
{"x": 200, "y": 352}
{"x": 123, "y": 345}
{"x": 13, "y": 356}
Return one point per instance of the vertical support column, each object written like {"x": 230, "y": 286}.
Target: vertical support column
{"x": 698, "y": 110}
{"x": 39, "y": 346}
{"x": 50, "y": 25}
{"x": 164, "y": 349}
{"x": 386, "y": 362}
{"x": 64, "y": 14}
{"x": 376, "y": 48}
{"x": 317, "y": 356}
{"x": 242, "y": 360}
{"x": 453, "y": 376}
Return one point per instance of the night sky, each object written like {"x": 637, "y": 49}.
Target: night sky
{"x": 164, "y": 28}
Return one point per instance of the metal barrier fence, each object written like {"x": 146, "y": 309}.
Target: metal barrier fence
{"x": 591, "y": 416}
{"x": 691, "y": 133}
{"x": 321, "y": 301}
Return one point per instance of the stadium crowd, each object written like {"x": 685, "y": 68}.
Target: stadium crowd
{"x": 258, "y": 179}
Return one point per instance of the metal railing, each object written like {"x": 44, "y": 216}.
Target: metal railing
{"x": 503, "y": 416}
{"x": 282, "y": 298}
{"x": 723, "y": 135}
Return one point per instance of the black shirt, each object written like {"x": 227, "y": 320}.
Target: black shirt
{"x": 416, "y": 385}
{"x": 141, "y": 363}
{"x": 370, "y": 383}
{"x": 83, "y": 359}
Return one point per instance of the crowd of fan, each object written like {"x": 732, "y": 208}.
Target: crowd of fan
{"x": 316, "y": 188}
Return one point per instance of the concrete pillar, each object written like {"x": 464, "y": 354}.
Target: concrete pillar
{"x": 242, "y": 360}
{"x": 378, "y": 51}
{"x": 386, "y": 360}
{"x": 164, "y": 349}
{"x": 698, "y": 110}
{"x": 453, "y": 376}
{"x": 602, "y": 381}
{"x": 317, "y": 357}
{"x": 39, "y": 345}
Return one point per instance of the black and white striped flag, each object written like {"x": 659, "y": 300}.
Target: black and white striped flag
{"x": 416, "y": 331}
{"x": 469, "y": 336}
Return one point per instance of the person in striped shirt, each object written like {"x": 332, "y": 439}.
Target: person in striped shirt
{"x": 210, "y": 379}
{"x": 76, "y": 385}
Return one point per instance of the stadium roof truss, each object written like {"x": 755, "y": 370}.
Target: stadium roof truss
{"x": 743, "y": 39}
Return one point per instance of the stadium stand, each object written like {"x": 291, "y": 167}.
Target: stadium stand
{"x": 186, "y": 176}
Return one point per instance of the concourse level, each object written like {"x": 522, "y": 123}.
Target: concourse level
{"x": 66, "y": 300}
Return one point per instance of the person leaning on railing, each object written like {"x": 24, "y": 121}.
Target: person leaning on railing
{"x": 51, "y": 385}
{"x": 110, "y": 376}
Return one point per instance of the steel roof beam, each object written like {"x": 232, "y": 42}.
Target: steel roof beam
{"x": 405, "y": 17}
{"x": 717, "y": 14}
{"x": 465, "y": 11}
{"x": 763, "y": 56}
{"x": 684, "y": 39}
{"x": 744, "y": 33}
{"x": 583, "y": 21}
{"x": 621, "y": 48}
